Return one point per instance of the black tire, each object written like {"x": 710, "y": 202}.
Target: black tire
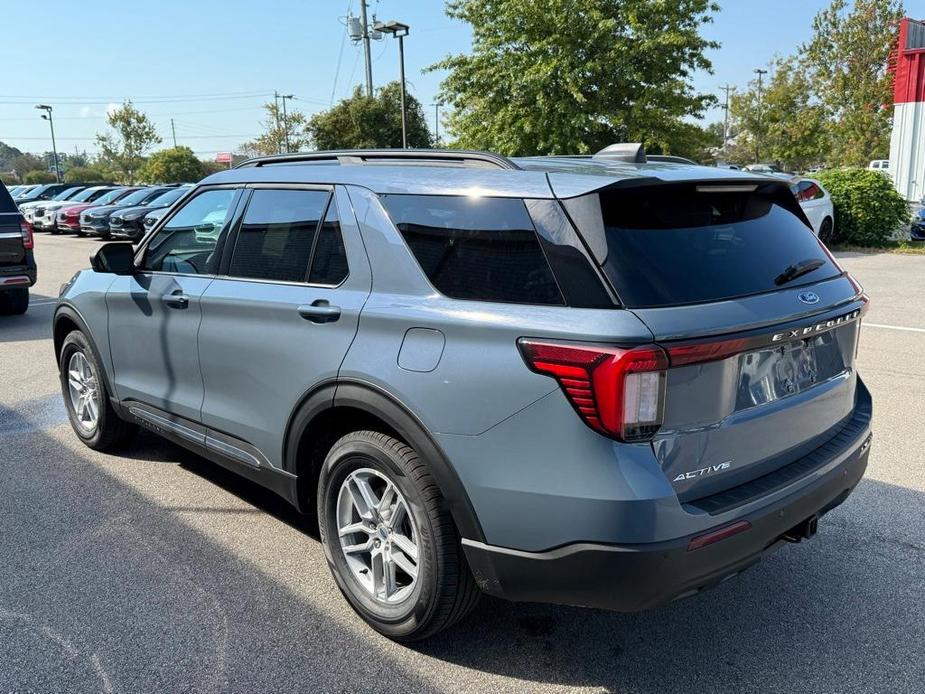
{"x": 55, "y": 231}
{"x": 445, "y": 591}
{"x": 110, "y": 431}
{"x": 827, "y": 231}
{"x": 14, "y": 302}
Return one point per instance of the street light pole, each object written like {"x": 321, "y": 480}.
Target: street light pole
{"x": 399, "y": 31}
{"x": 54, "y": 147}
{"x": 728, "y": 88}
{"x": 761, "y": 73}
{"x": 436, "y": 123}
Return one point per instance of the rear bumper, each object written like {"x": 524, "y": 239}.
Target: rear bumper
{"x": 12, "y": 277}
{"x": 634, "y": 577}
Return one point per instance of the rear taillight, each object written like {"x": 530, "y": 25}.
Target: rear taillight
{"x": 27, "y": 241}
{"x": 617, "y": 392}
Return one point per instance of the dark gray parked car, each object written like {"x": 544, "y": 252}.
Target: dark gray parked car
{"x": 575, "y": 380}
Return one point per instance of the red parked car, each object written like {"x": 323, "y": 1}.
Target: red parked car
{"x": 68, "y": 217}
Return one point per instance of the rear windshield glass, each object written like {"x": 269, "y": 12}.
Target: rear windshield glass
{"x": 680, "y": 244}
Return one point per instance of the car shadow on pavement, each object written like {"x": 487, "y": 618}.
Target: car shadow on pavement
{"x": 842, "y": 612}
{"x": 100, "y": 582}
{"x": 34, "y": 324}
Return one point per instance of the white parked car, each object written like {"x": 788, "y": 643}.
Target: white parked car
{"x": 817, "y": 205}
{"x": 880, "y": 165}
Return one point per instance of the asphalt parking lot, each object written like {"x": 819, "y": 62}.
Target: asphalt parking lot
{"x": 154, "y": 570}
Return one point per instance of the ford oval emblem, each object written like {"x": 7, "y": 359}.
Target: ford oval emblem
{"x": 808, "y": 297}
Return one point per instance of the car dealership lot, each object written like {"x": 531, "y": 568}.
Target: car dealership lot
{"x": 157, "y": 571}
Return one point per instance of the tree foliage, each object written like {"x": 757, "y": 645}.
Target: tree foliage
{"x": 868, "y": 210}
{"x": 276, "y": 127}
{"x": 132, "y": 134}
{"x": 174, "y": 165}
{"x": 787, "y": 126}
{"x": 846, "y": 60}
{"x": 370, "y": 121}
{"x": 567, "y": 76}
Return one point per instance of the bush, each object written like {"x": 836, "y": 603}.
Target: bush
{"x": 38, "y": 177}
{"x": 85, "y": 174}
{"x": 868, "y": 210}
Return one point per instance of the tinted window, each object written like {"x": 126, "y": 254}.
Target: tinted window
{"x": 674, "y": 244}
{"x": 484, "y": 249}
{"x": 329, "y": 261}
{"x": 276, "y": 237}
{"x": 88, "y": 194}
{"x": 137, "y": 197}
{"x": 6, "y": 201}
{"x": 189, "y": 242}
{"x": 65, "y": 194}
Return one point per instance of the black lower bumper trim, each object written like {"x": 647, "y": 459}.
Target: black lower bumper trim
{"x": 630, "y": 578}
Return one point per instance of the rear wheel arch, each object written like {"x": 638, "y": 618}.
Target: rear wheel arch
{"x": 336, "y": 409}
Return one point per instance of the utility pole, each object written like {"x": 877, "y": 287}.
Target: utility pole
{"x": 366, "y": 51}
{"x": 173, "y": 131}
{"x": 436, "y": 123}
{"x": 728, "y": 88}
{"x": 761, "y": 73}
{"x": 283, "y": 97}
{"x": 279, "y": 144}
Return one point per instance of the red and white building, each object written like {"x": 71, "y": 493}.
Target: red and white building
{"x": 907, "y": 146}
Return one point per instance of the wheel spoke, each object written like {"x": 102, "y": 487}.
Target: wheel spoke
{"x": 360, "y": 547}
{"x": 378, "y": 571}
{"x": 405, "y": 564}
{"x": 388, "y": 497}
{"x": 397, "y": 516}
{"x": 354, "y": 528}
{"x": 389, "y": 576}
{"x": 92, "y": 408}
{"x": 406, "y": 546}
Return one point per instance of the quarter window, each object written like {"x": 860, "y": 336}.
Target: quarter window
{"x": 329, "y": 262}
{"x": 277, "y": 234}
{"x": 483, "y": 249}
{"x": 189, "y": 242}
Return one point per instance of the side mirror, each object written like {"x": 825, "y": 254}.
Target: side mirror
{"x": 115, "y": 258}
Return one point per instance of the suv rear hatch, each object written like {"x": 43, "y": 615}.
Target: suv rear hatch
{"x": 759, "y": 322}
{"x": 14, "y": 237}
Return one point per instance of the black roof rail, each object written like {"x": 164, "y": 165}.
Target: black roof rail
{"x": 417, "y": 157}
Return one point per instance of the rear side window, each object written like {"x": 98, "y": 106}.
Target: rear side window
{"x": 682, "y": 244}
{"x": 482, "y": 249}
{"x": 277, "y": 234}
{"x": 6, "y": 201}
{"x": 329, "y": 262}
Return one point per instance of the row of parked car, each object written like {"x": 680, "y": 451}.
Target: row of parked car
{"x": 104, "y": 210}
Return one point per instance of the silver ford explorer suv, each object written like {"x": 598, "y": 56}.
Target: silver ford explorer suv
{"x": 587, "y": 380}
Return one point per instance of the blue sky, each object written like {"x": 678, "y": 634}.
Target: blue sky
{"x": 211, "y": 64}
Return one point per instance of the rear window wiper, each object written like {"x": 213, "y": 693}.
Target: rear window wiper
{"x": 804, "y": 267}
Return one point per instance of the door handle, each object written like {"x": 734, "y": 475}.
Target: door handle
{"x": 319, "y": 311}
{"x": 176, "y": 300}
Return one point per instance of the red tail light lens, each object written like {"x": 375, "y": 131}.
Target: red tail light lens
{"x": 28, "y": 242}
{"x": 617, "y": 392}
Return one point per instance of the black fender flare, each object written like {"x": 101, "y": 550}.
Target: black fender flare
{"x": 380, "y": 403}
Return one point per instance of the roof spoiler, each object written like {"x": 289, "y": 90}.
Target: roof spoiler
{"x": 632, "y": 152}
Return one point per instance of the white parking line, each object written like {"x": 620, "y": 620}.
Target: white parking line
{"x": 894, "y": 327}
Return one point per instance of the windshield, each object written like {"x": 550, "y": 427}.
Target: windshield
{"x": 168, "y": 198}
{"x": 135, "y": 198}
{"x": 35, "y": 192}
{"x": 86, "y": 194}
{"x": 110, "y": 196}
{"x": 65, "y": 194}
{"x": 681, "y": 244}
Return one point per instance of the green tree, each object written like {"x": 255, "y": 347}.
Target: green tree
{"x": 276, "y": 128}
{"x": 175, "y": 165}
{"x": 132, "y": 135}
{"x": 788, "y": 126}
{"x": 847, "y": 60}
{"x": 370, "y": 121}
{"x": 567, "y": 76}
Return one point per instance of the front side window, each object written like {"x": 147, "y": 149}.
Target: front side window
{"x": 189, "y": 242}
{"x": 277, "y": 234}
{"x": 482, "y": 249}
